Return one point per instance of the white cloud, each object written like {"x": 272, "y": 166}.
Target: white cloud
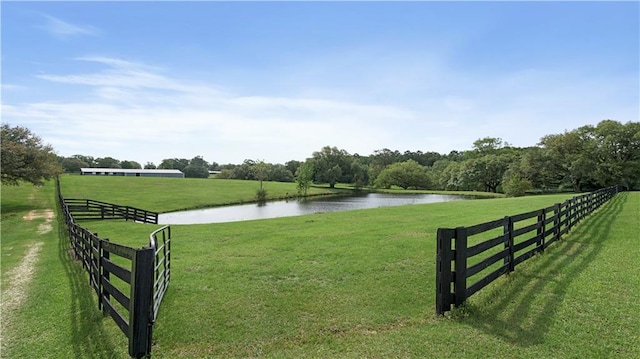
{"x": 138, "y": 112}
{"x": 146, "y": 116}
{"x": 62, "y": 29}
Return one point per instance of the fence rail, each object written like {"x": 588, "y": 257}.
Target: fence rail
{"x": 129, "y": 282}
{"x": 481, "y": 253}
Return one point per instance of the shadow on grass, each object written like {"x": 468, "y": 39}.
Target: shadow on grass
{"x": 89, "y": 338}
{"x": 12, "y": 210}
{"x": 520, "y": 307}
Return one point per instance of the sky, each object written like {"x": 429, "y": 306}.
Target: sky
{"x": 276, "y": 81}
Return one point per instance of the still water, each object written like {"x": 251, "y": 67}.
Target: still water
{"x": 296, "y": 207}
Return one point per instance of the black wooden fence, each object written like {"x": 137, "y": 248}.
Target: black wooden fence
{"x": 90, "y": 209}
{"x": 480, "y": 254}
{"x": 129, "y": 282}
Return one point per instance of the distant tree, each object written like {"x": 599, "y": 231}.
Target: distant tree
{"x": 515, "y": 182}
{"x": 197, "y": 168}
{"x": 571, "y": 158}
{"x": 293, "y": 165}
{"x": 225, "y": 174}
{"x": 618, "y": 153}
{"x": 380, "y": 159}
{"x": 280, "y": 173}
{"x": 149, "y": 166}
{"x": 173, "y": 164}
{"x": 214, "y": 166}
{"x": 516, "y": 186}
{"x": 487, "y": 145}
{"x": 244, "y": 171}
{"x": 405, "y": 175}
{"x": 25, "y": 157}
{"x": 423, "y": 158}
{"x": 360, "y": 173}
{"x": 455, "y": 156}
{"x": 130, "y": 165}
{"x": 107, "y": 162}
{"x": 438, "y": 173}
{"x": 72, "y": 164}
{"x": 89, "y": 160}
{"x": 304, "y": 177}
{"x": 486, "y": 172}
{"x": 260, "y": 171}
{"x": 329, "y": 164}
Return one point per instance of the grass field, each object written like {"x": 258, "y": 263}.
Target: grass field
{"x": 357, "y": 284}
{"x": 174, "y": 194}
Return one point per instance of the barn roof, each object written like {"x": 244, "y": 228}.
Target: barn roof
{"x": 123, "y": 170}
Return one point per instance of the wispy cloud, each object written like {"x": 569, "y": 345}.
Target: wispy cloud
{"x": 136, "y": 108}
{"x": 62, "y": 29}
{"x": 135, "y": 111}
{"x": 12, "y": 87}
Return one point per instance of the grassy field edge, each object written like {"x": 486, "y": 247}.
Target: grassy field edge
{"x": 338, "y": 285}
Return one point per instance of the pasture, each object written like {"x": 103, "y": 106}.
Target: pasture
{"x": 358, "y": 284}
{"x": 174, "y": 194}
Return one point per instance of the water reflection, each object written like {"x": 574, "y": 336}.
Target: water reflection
{"x": 288, "y": 208}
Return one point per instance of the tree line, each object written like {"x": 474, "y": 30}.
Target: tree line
{"x": 582, "y": 159}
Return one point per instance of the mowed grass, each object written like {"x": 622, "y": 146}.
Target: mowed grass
{"x": 174, "y": 194}
{"x": 359, "y": 284}
{"x": 48, "y": 309}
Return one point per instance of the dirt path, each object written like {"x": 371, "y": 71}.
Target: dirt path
{"x": 14, "y": 293}
{"x": 48, "y": 216}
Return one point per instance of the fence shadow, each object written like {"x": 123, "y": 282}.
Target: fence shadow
{"x": 89, "y": 338}
{"x": 520, "y": 307}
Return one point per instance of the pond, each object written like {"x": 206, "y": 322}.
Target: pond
{"x": 295, "y": 207}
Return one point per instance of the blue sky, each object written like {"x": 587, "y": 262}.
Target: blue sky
{"x": 276, "y": 81}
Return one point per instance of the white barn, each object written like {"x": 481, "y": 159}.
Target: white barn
{"x": 130, "y": 172}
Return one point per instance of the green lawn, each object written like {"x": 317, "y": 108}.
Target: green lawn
{"x": 351, "y": 285}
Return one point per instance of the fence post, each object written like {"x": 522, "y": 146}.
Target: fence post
{"x": 443, "y": 270}
{"x": 101, "y": 273}
{"x": 460, "y": 284}
{"x": 140, "y": 313}
{"x": 541, "y": 230}
{"x": 508, "y": 242}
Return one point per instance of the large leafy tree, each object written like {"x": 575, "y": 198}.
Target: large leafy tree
{"x": 173, "y": 164}
{"x": 107, "y": 162}
{"x": 279, "y": 173}
{"x": 382, "y": 159}
{"x": 360, "y": 173}
{"x": 405, "y": 175}
{"x": 72, "y": 164}
{"x": 197, "y": 168}
{"x": 618, "y": 153}
{"x": 330, "y": 163}
{"x": 130, "y": 165}
{"x": 570, "y": 156}
{"x": 486, "y": 172}
{"x": 25, "y": 157}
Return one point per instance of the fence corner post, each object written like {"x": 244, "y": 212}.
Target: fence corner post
{"x": 140, "y": 315}
{"x": 443, "y": 270}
